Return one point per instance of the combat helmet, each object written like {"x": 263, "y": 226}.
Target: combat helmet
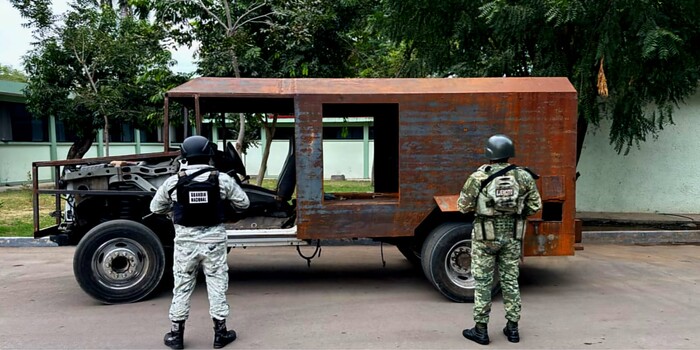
{"x": 499, "y": 147}
{"x": 196, "y": 147}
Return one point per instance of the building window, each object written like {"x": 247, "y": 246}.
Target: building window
{"x": 150, "y": 135}
{"x": 65, "y": 133}
{"x": 21, "y": 125}
{"x": 121, "y": 132}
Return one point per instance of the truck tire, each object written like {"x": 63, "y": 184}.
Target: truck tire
{"x": 446, "y": 261}
{"x": 119, "y": 261}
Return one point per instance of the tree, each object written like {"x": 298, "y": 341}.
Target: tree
{"x": 11, "y": 74}
{"x": 95, "y": 67}
{"x": 272, "y": 38}
{"x": 220, "y": 26}
{"x": 622, "y": 56}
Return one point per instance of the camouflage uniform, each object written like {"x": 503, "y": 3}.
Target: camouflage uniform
{"x": 504, "y": 250}
{"x": 205, "y": 245}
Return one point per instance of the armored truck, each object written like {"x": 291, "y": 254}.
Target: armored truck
{"x": 428, "y": 136}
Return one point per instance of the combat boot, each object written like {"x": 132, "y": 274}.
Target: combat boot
{"x": 511, "y": 332}
{"x": 222, "y": 337}
{"x": 478, "y": 334}
{"x": 175, "y": 338}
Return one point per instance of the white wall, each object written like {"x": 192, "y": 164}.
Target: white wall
{"x": 340, "y": 157}
{"x": 16, "y": 157}
{"x": 16, "y": 161}
{"x": 663, "y": 175}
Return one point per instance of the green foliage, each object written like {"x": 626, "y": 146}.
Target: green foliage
{"x": 11, "y": 74}
{"x": 647, "y": 49}
{"x": 37, "y": 12}
{"x": 98, "y": 63}
{"x": 273, "y": 38}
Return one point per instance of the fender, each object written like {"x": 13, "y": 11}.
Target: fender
{"x": 447, "y": 204}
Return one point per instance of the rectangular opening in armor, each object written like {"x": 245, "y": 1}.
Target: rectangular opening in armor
{"x": 552, "y": 211}
{"x": 361, "y": 142}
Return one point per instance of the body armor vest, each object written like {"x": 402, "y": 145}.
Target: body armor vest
{"x": 500, "y": 199}
{"x": 198, "y": 203}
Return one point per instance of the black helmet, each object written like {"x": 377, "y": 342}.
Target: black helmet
{"x": 499, "y": 147}
{"x": 196, "y": 147}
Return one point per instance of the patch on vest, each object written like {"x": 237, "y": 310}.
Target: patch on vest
{"x": 504, "y": 192}
{"x": 501, "y": 196}
{"x": 198, "y": 197}
{"x": 199, "y": 203}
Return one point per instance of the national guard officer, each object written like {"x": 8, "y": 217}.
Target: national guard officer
{"x": 196, "y": 196}
{"x": 502, "y": 196}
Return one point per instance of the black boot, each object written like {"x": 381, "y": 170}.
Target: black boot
{"x": 478, "y": 334}
{"x": 174, "y": 338}
{"x": 511, "y": 332}
{"x": 222, "y": 337}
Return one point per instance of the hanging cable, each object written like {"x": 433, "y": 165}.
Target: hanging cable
{"x": 308, "y": 258}
{"x": 381, "y": 249}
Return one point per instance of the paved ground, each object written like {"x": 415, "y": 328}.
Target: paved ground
{"x": 606, "y": 296}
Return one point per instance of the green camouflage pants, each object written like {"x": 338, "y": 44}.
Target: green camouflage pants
{"x": 187, "y": 258}
{"x": 504, "y": 251}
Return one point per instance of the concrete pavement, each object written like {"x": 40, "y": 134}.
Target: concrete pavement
{"x": 605, "y": 297}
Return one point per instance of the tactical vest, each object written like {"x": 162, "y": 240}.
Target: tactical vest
{"x": 500, "y": 196}
{"x": 198, "y": 203}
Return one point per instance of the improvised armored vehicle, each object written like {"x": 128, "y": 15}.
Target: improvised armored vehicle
{"x": 428, "y": 136}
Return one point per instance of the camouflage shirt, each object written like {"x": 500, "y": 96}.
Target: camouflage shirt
{"x": 470, "y": 191}
{"x": 162, "y": 203}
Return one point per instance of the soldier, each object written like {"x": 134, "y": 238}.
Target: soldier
{"x": 196, "y": 196}
{"x": 502, "y": 196}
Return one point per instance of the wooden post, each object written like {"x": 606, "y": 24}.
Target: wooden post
{"x": 166, "y": 127}
{"x": 197, "y": 115}
{"x": 185, "y": 123}
{"x": 35, "y": 196}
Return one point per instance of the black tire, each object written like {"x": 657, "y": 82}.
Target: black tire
{"x": 446, "y": 261}
{"x": 119, "y": 261}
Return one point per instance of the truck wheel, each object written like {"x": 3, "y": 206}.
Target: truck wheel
{"x": 446, "y": 261}
{"x": 119, "y": 261}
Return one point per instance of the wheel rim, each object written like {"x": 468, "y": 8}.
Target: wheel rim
{"x": 458, "y": 264}
{"x": 120, "y": 263}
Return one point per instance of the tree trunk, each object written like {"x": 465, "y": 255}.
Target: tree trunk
{"x": 269, "y": 134}
{"x": 241, "y": 133}
{"x": 106, "y": 136}
{"x": 80, "y": 147}
{"x": 241, "y": 116}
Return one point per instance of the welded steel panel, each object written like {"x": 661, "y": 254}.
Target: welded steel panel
{"x": 442, "y": 127}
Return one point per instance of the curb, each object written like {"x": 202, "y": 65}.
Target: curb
{"x": 642, "y": 237}
{"x": 17, "y": 242}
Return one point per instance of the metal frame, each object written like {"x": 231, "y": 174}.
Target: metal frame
{"x": 57, "y": 164}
